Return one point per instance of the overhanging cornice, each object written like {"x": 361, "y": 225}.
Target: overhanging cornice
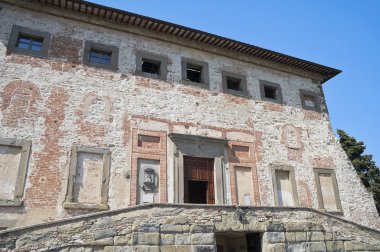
{"x": 120, "y": 17}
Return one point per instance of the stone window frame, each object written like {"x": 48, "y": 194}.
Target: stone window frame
{"x": 26, "y": 146}
{"x": 17, "y": 30}
{"x": 317, "y": 107}
{"x": 89, "y": 45}
{"x": 69, "y": 201}
{"x": 243, "y": 84}
{"x": 292, "y": 177}
{"x": 205, "y": 79}
{"x": 263, "y": 84}
{"x": 154, "y": 57}
{"x": 318, "y": 171}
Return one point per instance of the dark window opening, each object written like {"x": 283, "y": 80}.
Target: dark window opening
{"x": 194, "y": 73}
{"x": 309, "y": 101}
{"x": 100, "y": 57}
{"x": 253, "y": 242}
{"x": 233, "y": 83}
{"x": 270, "y": 92}
{"x": 197, "y": 192}
{"x": 29, "y": 43}
{"x": 150, "y": 66}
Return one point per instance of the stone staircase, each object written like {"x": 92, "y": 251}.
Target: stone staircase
{"x": 185, "y": 227}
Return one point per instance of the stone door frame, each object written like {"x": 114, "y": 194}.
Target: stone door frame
{"x": 202, "y": 147}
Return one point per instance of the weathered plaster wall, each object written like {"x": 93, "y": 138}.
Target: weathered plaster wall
{"x": 9, "y": 162}
{"x": 58, "y": 102}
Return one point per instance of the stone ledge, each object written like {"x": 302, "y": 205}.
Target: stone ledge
{"x": 11, "y": 203}
{"x": 73, "y": 205}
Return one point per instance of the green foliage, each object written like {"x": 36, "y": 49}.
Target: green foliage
{"x": 366, "y": 168}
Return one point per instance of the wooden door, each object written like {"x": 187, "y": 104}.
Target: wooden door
{"x": 199, "y": 170}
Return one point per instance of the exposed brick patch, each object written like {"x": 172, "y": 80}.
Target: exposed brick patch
{"x": 273, "y": 107}
{"x": 236, "y": 99}
{"x": 66, "y": 49}
{"x": 291, "y": 138}
{"x": 312, "y": 115}
{"x": 173, "y": 123}
{"x": 323, "y": 162}
{"x": 152, "y": 142}
{"x": 45, "y": 178}
{"x": 259, "y": 148}
{"x": 304, "y": 195}
{"x": 194, "y": 91}
{"x": 152, "y": 83}
{"x": 147, "y": 152}
{"x": 240, "y": 152}
{"x": 19, "y": 103}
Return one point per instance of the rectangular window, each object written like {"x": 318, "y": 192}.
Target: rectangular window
{"x": 28, "y": 41}
{"x": 235, "y": 84}
{"x": 284, "y": 186}
{"x": 328, "y": 195}
{"x": 244, "y": 185}
{"x": 309, "y": 100}
{"x": 14, "y": 157}
{"x": 195, "y": 73}
{"x": 271, "y": 91}
{"x": 88, "y": 178}
{"x": 99, "y": 55}
{"x": 284, "y": 189}
{"x": 151, "y": 65}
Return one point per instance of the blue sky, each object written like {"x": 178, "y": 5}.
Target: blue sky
{"x": 342, "y": 34}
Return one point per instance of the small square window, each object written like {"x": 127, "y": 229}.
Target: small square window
{"x": 235, "y": 84}
{"x": 309, "y": 100}
{"x": 151, "y": 65}
{"x": 270, "y": 91}
{"x": 195, "y": 73}
{"x": 99, "y": 55}
{"x": 30, "y": 42}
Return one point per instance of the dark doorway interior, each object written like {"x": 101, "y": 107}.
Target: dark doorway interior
{"x": 199, "y": 180}
{"x": 253, "y": 242}
{"x": 198, "y": 192}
